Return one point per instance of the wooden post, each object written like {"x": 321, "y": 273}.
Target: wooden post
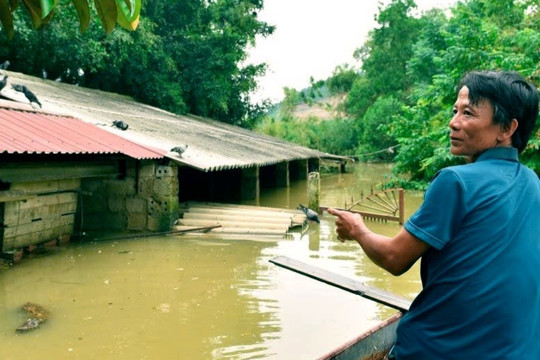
{"x": 401, "y": 206}
{"x": 314, "y": 189}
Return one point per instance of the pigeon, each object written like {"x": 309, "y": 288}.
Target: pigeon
{"x": 310, "y": 214}
{"x": 3, "y": 82}
{"x": 120, "y": 124}
{"x": 5, "y": 65}
{"x": 179, "y": 149}
{"x": 29, "y": 95}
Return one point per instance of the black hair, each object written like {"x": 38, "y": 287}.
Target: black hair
{"x": 511, "y": 97}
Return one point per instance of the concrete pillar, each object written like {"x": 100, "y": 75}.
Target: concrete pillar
{"x": 158, "y": 185}
{"x": 302, "y": 169}
{"x": 282, "y": 174}
{"x": 250, "y": 184}
{"x": 314, "y": 189}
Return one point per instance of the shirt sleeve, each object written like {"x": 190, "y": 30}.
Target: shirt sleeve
{"x": 442, "y": 211}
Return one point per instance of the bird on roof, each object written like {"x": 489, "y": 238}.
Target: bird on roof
{"x": 179, "y": 149}
{"x": 5, "y": 65}
{"x": 310, "y": 214}
{"x": 29, "y": 94}
{"x": 120, "y": 124}
{"x": 3, "y": 82}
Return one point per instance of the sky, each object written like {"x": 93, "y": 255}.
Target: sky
{"x": 312, "y": 37}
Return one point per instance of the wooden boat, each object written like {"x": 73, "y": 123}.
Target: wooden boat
{"x": 374, "y": 344}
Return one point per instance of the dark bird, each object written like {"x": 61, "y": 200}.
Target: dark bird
{"x": 29, "y": 95}
{"x": 5, "y": 65}
{"x": 179, "y": 149}
{"x": 310, "y": 214}
{"x": 120, "y": 124}
{"x": 3, "y": 82}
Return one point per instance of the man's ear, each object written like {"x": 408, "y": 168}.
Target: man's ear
{"x": 507, "y": 132}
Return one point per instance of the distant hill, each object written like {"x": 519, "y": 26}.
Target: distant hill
{"x": 314, "y": 102}
{"x": 323, "y": 109}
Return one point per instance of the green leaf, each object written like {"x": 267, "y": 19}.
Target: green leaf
{"x": 83, "y": 10}
{"x": 127, "y": 3}
{"x": 128, "y": 13}
{"x": 34, "y": 7}
{"x": 47, "y": 6}
{"x": 106, "y": 10}
{"x": 5, "y": 18}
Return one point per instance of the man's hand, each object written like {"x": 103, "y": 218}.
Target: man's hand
{"x": 349, "y": 226}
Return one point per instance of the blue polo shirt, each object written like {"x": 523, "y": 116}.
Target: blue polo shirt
{"x": 481, "y": 276}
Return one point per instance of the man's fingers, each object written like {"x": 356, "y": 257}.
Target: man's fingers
{"x": 333, "y": 211}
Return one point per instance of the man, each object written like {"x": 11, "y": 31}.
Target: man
{"x": 477, "y": 231}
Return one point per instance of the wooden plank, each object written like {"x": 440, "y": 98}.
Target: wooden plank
{"x": 344, "y": 283}
{"x": 55, "y": 171}
{"x": 47, "y": 186}
{"x": 20, "y": 241}
{"x": 372, "y": 344}
{"x": 37, "y": 226}
{"x": 14, "y": 195}
{"x": 176, "y": 231}
{"x": 27, "y": 215}
{"x": 22, "y": 212}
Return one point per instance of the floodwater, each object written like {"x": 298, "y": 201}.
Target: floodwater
{"x": 189, "y": 297}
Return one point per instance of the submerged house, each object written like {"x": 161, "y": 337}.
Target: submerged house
{"x": 95, "y": 161}
{"x": 60, "y": 176}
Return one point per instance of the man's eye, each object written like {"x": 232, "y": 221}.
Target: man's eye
{"x": 454, "y": 111}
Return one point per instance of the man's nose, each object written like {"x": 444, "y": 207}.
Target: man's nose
{"x": 454, "y": 122}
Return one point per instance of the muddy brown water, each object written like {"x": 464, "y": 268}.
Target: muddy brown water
{"x": 185, "y": 297}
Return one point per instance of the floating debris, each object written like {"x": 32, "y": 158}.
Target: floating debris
{"x": 38, "y": 315}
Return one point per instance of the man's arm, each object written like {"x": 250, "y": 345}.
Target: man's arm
{"x": 396, "y": 255}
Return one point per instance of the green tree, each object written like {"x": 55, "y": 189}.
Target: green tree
{"x": 481, "y": 34}
{"x": 187, "y": 56}
{"x": 111, "y": 12}
{"x": 384, "y": 56}
{"x": 342, "y": 79}
{"x": 375, "y": 137}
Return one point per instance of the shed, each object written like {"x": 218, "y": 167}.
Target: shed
{"x": 222, "y": 162}
{"x": 56, "y": 170}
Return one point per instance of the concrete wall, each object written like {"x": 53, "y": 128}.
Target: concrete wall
{"x": 145, "y": 199}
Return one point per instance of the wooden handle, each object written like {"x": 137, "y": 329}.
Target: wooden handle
{"x": 344, "y": 283}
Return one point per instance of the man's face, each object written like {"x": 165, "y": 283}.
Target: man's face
{"x": 471, "y": 129}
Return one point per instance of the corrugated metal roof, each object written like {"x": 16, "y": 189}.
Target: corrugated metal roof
{"x": 213, "y": 145}
{"x": 37, "y": 132}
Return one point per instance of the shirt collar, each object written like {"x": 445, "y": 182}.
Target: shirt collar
{"x": 503, "y": 153}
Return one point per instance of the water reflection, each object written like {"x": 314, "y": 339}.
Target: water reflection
{"x": 187, "y": 297}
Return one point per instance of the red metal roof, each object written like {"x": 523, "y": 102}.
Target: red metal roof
{"x": 36, "y": 132}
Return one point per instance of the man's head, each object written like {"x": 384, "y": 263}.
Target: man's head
{"x": 510, "y": 96}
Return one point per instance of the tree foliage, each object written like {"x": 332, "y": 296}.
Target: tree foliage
{"x": 186, "y": 56}
{"x": 479, "y": 34}
{"x": 401, "y": 98}
{"x": 110, "y": 12}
